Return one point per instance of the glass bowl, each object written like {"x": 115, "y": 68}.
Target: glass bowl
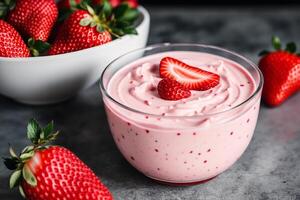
{"x": 182, "y": 149}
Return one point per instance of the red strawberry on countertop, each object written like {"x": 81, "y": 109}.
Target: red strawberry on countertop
{"x": 11, "y": 42}
{"x": 88, "y": 28}
{"x": 190, "y": 77}
{"x": 169, "y": 89}
{"x": 32, "y": 18}
{"x": 281, "y": 70}
{"x": 45, "y": 172}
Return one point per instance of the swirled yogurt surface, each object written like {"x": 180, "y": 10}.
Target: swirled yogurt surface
{"x": 135, "y": 85}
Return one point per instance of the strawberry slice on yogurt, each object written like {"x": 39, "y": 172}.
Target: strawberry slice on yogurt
{"x": 190, "y": 77}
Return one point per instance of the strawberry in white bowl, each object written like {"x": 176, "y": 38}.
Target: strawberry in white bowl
{"x": 81, "y": 45}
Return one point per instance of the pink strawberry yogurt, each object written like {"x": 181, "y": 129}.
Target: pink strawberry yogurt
{"x": 188, "y": 140}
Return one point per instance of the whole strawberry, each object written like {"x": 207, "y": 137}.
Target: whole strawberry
{"x": 74, "y": 35}
{"x": 11, "y": 43}
{"x": 172, "y": 90}
{"x": 32, "y": 18}
{"x": 45, "y": 172}
{"x": 87, "y": 27}
{"x": 281, "y": 70}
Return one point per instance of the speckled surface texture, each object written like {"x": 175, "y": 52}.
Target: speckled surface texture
{"x": 270, "y": 167}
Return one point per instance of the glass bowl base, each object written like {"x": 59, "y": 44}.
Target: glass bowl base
{"x": 181, "y": 184}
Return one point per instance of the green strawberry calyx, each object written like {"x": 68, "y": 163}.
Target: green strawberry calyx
{"x": 40, "y": 138}
{"x": 117, "y": 21}
{"x": 38, "y": 47}
{"x": 291, "y": 47}
{"x": 5, "y": 7}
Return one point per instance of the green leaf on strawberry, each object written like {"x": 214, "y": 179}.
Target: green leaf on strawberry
{"x": 11, "y": 163}
{"x": 118, "y": 21}
{"x": 6, "y": 6}
{"x": 291, "y": 47}
{"x": 90, "y": 10}
{"x": 72, "y": 3}
{"x": 12, "y": 152}
{"x": 107, "y": 8}
{"x": 120, "y": 10}
{"x": 28, "y": 149}
{"x": 88, "y": 20}
{"x": 28, "y": 176}
{"x": 130, "y": 30}
{"x": 82, "y": 5}
{"x": 38, "y": 47}
{"x": 100, "y": 28}
{"x": 129, "y": 14}
{"x": 22, "y": 192}
{"x": 33, "y": 131}
{"x": 46, "y": 131}
{"x": 15, "y": 179}
{"x": 26, "y": 156}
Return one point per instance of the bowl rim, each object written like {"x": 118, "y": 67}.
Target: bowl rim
{"x": 258, "y": 88}
{"x": 145, "y": 18}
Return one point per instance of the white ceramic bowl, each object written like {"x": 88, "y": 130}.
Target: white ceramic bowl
{"x": 51, "y": 79}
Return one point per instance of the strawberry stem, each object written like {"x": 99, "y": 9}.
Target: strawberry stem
{"x": 291, "y": 47}
{"x": 118, "y": 21}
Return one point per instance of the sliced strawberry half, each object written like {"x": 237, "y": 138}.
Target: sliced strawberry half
{"x": 190, "y": 77}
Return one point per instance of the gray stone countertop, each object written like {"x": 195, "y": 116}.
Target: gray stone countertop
{"x": 270, "y": 167}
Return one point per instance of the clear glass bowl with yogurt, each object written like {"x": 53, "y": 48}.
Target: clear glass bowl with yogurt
{"x": 190, "y": 140}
